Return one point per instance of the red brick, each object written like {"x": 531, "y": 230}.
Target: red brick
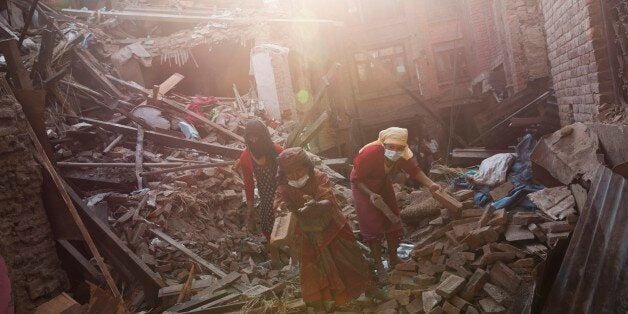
{"x": 504, "y": 277}
{"x": 474, "y": 285}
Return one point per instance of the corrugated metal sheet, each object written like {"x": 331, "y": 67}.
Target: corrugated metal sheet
{"x": 593, "y": 277}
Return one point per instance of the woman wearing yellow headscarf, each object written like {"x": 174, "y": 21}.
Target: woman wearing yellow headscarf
{"x": 372, "y": 186}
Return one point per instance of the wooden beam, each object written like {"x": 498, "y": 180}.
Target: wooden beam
{"x": 75, "y": 216}
{"x": 312, "y": 130}
{"x": 170, "y": 83}
{"x": 167, "y": 140}
{"x": 120, "y": 255}
{"x": 209, "y": 266}
{"x": 90, "y": 63}
{"x": 86, "y": 268}
{"x": 176, "y": 18}
{"x": 171, "y": 104}
{"x": 69, "y": 164}
{"x": 18, "y": 72}
{"x": 316, "y": 105}
{"x": 189, "y": 167}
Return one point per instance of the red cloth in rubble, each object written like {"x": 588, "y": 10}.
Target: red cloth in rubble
{"x": 368, "y": 168}
{"x": 197, "y": 104}
{"x": 332, "y": 266}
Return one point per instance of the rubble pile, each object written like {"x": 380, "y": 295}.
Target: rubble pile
{"x": 470, "y": 259}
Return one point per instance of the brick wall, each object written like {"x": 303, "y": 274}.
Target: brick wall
{"x": 579, "y": 64}
{"x": 507, "y": 33}
{"x": 26, "y": 241}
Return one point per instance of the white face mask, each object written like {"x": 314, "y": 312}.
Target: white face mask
{"x": 393, "y": 155}
{"x": 299, "y": 183}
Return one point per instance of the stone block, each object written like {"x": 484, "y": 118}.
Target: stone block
{"x": 488, "y": 305}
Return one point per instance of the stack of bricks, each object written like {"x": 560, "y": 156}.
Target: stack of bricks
{"x": 472, "y": 260}
{"x": 26, "y": 241}
{"x": 578, "y": 58}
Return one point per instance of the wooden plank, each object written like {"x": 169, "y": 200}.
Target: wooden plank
{"x": 70, "y": 164}
{"x": 317, "y": 105}
{"x": 176, "y": 18}
{"x": 313, "y": 130}
{"x": 132, "y": 85}
{"x": 167, "y": 140}
{"x": 187, "y": 287}
{"x": 207, "y": 307}
{"x": 196, "y": 302}
{"x": 120, "y": 255}
{"x": 113, "y": 144}
{"x": 86, "y": 268}
{"x": 170, "y": 83}
{"x": 196, "y": 285}
{"x": 62, "y": 303}
{"x": 209, "y": 266}
{"x": 197, "y": 166}
{"x": 139, "y": 157}
{"x": 88, "y": 60}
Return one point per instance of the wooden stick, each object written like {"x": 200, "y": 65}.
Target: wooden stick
{"x": 185, "y": 292}
{"x": 75, "y": 215}
{"x": 198, "y": 166}
{"x": 139, "y": 156}
{"x": 112, "y": 144}
{"x": 68, "y": 164}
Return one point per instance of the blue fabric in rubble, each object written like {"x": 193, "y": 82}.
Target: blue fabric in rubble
{"x": 519, "y": 174}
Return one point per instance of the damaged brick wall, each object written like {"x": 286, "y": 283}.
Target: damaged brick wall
{"x": 525, "y": 41}
{"x": 578, "y": 58}
{"x": 26, "y": 241}
{"x": 507, "y": 33}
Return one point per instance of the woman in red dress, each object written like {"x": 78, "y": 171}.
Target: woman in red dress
{"x": 371, "y": 183}
{"x": 258, "y": 163}
{"x": 332, "y": 267}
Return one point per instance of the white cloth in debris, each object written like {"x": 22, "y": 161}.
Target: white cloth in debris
{"x": 125, "y": 54}
{"x": 493, "y": 170}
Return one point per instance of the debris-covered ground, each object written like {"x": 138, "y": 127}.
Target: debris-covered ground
{"x": 151, "y": 173}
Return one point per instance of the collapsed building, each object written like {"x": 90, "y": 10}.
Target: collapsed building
{"x": 113, "y": 201}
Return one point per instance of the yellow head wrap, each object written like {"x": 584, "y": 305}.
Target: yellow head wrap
{"x": 395, "y": 136}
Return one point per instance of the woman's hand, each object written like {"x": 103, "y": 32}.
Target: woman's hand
{"x": 434, "y": 187}
{"x": 376, "y": 199}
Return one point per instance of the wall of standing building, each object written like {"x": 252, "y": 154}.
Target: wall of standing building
{"x": 582, "y": 69}
{"x": 26, "y": 240}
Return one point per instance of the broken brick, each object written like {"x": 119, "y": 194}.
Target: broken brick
{"x": 488, "y": 305}
{"x": 556, "y": 227}
{"x": 526, "y": 218}
{"x": 450, "y": 308}
{"x": 475, "y": 284}
{"x": 430, "y": 300}
{"x": 450, "y": 286}
{"x": 495, "y": 292}
{"x": 504, "y": 277}
{"x": 518, "y": 233}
